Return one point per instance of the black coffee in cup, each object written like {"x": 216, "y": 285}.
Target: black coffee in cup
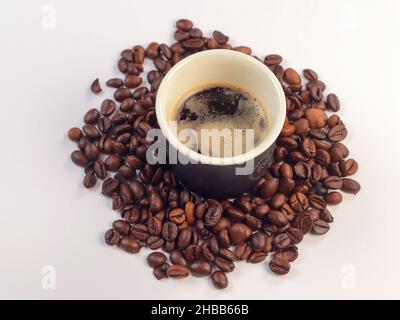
{"x": 221, "y": 121}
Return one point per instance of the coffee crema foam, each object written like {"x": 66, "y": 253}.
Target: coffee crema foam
{"x": 220, "y": 120}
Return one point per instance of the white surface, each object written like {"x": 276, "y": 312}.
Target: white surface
{"x": 46, "y": 216}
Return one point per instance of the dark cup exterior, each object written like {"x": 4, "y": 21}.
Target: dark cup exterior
{"x": 221, "y": 181}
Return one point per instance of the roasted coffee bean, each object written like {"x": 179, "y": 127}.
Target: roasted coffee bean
{"x": 184, "y": 24}
{"x": 243, "y": 250}
{"x": 192, "y": 252}
{"x": 137, "y": 189}
{"x": 303, "y": 222}
{"x": 310, "y": 74}
{"x": 351, "y": 167}
{"x": 122, "y": 227}
{"x": 261, "y": 210}
{"x": 113, "y": 162}
{"x": 279, "y": 266}
{"x": 299, "y": 202}
{"x": 323, "y": 157}
{"x": 333, "y": 198}
{"x": 320, "y": 227}
{"x": 91, "y": 131}
{"x": 234, "y": 213}
{"x": 132, "y": 81}
{"x": 268, "y": 188}
{"x": 156, "y": 259}
{"x": 161, "y": 272}
{"x": 176, "y": 257}
{"x": 277, "y": 218}
{"x": 122, "y": 93}
{"x": 89, "y": 181}
{"x": 193, "y": 44}
{"x": 256, "y": 257}
{"x": 219, "y": 280}
{"x": 200, "y": 268}
{"x": 100, "y": 169}
{"x": 95, "y": 87}
{"x": 291, "y": 77}
{"x": 79, "y": 158}
{"x": 333, "y": 182}
{"x": 115, "y": 83}
{"x": 156, "y": 202}
{"x": 107, "y": 107}
{"x": 350, "y": 186}
{"x": 177, "y": 215}
{"x": 317, "y": 202}
{"x": 239, "y": 232}
{"x": 281, "y": 241}
{"x": 337, "y": 133}
{"x": 224, "y": 264}
{"x": 74, "y": 134}
{"x": 289, "y": 254}
{"x": 139, "y": 231}
{"x": 224, "y": 238}
{"x": 92, "y": 151}
{"x": 129, "y": 244}
{"x": 177, "y": 271}
{"x": 91, "y": 116}
{"x": 295, "y": 235}
{"x": 302, "y": 170}
{"x": 154, "y": 226}
{"x": 189, "y": 212}
{"x": 220, "y": 37}
{"x": 333, "y": 102}
{"x": 112, "y": 237}
{"x": 212, "y": 215}
{"x": 257, "y": 241}
{"x": 273, "y": 59}
{"x": 184, "y": 238}
{"x": 169, "y": 231}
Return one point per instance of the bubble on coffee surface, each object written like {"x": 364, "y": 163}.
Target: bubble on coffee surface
{"x": 231, "y": 114}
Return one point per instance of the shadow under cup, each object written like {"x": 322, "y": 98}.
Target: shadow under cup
{"x": 214, "y": 177}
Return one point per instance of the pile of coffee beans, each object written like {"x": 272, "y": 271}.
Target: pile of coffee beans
{"x": 206, "y": 237}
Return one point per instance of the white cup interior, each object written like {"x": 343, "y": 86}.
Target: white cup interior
{"x": 225, "y": 66}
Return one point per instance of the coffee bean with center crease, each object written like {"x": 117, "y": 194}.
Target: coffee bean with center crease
{"x": 295, "y": 235}
{"x": 220, "y": 37}
{"x": 89, "y": 180}
{"x": 156, "y": 203}
{"x": 192, "y": 252}
{"x": 281, "y": 241}
{"x": 161, "y": 272}
{"x": 333, "y": 198}
{"x": 200, "y": 268}
{"x": 169, "y": 231}
{"x": 333, "y": 182}
{"x": 212, "y": 215}
{"x": 299, "y": 202}
{"x": 112, "y": 237}
{"x": 177, "y": 215}
{"x": 224, "y": 264}
{"x": 320, "y": 227}
{"x": 156, "y": 259}
{"x": 279, "y": 266}
{"x": 122, "y": 93}
{"x": 289, "y": 253}
{"x": 303, "y": 222}
{"x": 177, "y": 271}
{"x": 100, "y": 169}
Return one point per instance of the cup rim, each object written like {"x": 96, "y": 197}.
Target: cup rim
{"x": 201, "y": 158}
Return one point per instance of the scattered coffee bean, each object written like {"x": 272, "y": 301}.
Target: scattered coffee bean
{"x": 219, "y": 280}
{"x": 279, "y": 266}
{"x": 156, "y": 259}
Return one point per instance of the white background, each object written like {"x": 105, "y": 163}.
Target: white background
{"x": 48, "y": 218}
